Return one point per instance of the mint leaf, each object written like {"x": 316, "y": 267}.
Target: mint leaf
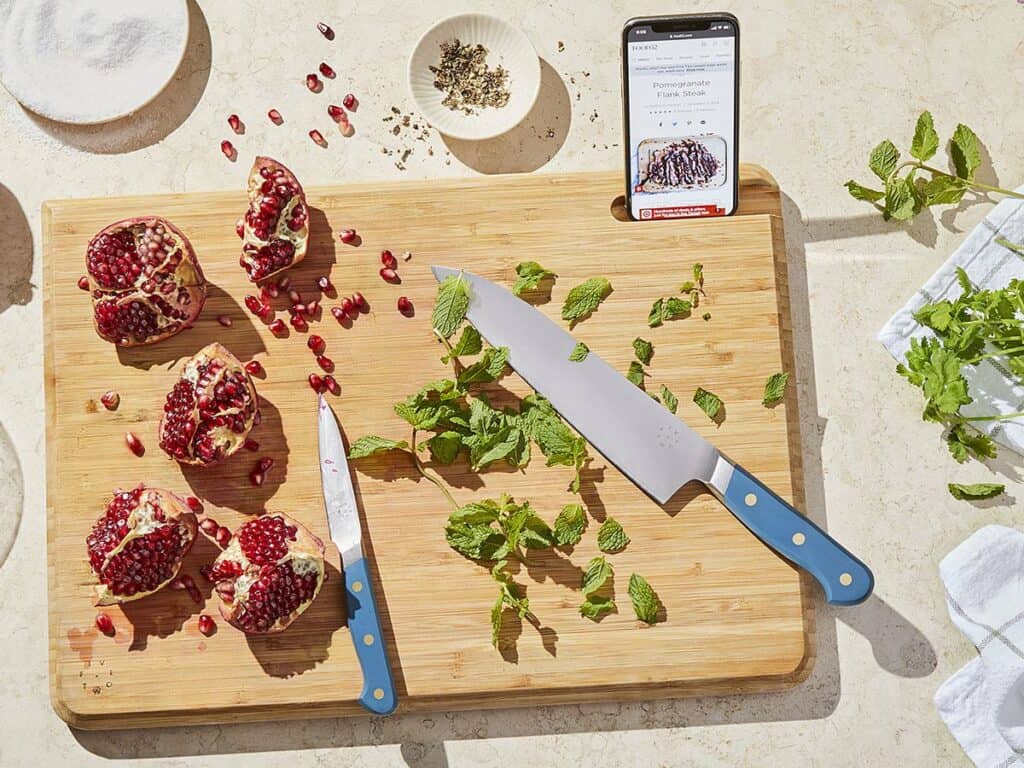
{"x": 670, "y": 400}
{"x": 944, "y": 190}
{"x": 775, "y": 388}
{"x": 434, "y": 405}
{"x": 899, "y": 200}
{"x": 445, "y": 447}
{"x": 488, "y": 368}
{"x": 708, "y": 402}
{"x": 1018, "y": 249}
{"x": 598, "y": 571}
{"x": 645, "y": 600}
{"x": 477, "y": 541}
{"x": 451, "y": 305}
{"x": 469, "y": 343}
{"x": 964, "y": 152}
{"x": 585, "y": 298}
{"x": 611, "y": 537}
{"x": 636, "y": 374}
{"x": 698, "y": 276}
{"x": 373, "y": 444}
{"x": 975, "y": 491}
{"x": 596, "y": 606}
{"x": 668, "y": 309}
{"x": 509, "y": 595}
{"x": 657, "y": 314}
{"x": 859, "y": 192}
{"x": 883, "y": 159}
{"x": 926, "y": 140}
{"x": 579, "y": 352}
{"x": 486, "y": 511}
{"x": 529, "y": 275}
{"x": 569, "y": 525}
{"x": 643, "y": 349}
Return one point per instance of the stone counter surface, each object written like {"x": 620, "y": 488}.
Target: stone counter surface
{"x": 822, "y": 83}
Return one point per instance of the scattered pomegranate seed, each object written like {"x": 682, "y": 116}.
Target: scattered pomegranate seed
{"x": 317, "y": 344}
{"x": 325, "y": 362}
{"x": 236, "y": 124}
{"x": 339, "y": 314}
{"x": 284, "y": 283}
{"x": 206, "y": 571}
{"x": 253, "y": 304}
{"x": 331, "y": 385}
{"x": 318, "y": 138}
{"x": 299, "y": 323}
{"x": 271, "y": 290}
{"x": 134, "y": 444}
{"x": 256, "y": 478}
{"x": 193, "y": 590}
{"x": 314, "y": 83}
{"x": 224, "y": 320}
{"x": 254, "y": 367}
{"x": 83, "y": 282}
{"x": 209, "y": 526}
{"x": 223, "y": 536}
{"x": 326, "y": 70}
{"x": 275, "y": 116}
{"x": 228, "y": 149}
{"x": 404, "y": 305}
{"x": 359, "y": 301}
{"x": 278, "y": 327}
{"x": 206, "y": 624}
{"x": 315, "y": 382}
{"x": 407, "y": 255}
{"x": 105, "y": 624}
{"x": 390, "y": 275}
{"x": 325, "y": 30}
{"x": 240, "y": 228}
{"x": 294, "y": 297}
{"x": 348, "y": 236}
{"x": 265, "y": 464}
{"x": 350, "y": 102}
{"x": 298, "y": 309}
{"x": 250, "y": 444}
{"x": 264, "y": 312}
{"x": 194, "y": 504}
{"x": 177, "y": 584}
{"x": 348, "y": 306}
{"x": 110, "y": 400}
{"x": 324, "y": 284}
{"x": 312, "y": 307}
{"x": 335, "y": 112}
{"x": 387, "y": 258}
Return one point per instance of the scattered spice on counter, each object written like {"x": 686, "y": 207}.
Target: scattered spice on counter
{"x": 412, "y": 128}
{"x": 463, "y": 76}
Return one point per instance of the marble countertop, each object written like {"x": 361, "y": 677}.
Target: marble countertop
{"x": 823, "y": 82}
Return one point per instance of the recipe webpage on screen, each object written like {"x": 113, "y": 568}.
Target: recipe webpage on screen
{"x": 681, "y": 121}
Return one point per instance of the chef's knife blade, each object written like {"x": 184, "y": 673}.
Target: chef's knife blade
{"x": 645, "y": 441}
{"x": 378, "y": 695}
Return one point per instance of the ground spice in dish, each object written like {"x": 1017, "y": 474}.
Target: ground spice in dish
{"x": 463, "y": 76}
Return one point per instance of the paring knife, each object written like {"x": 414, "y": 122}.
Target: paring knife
{"x": 379, "y": 695}
{"x": 646, "y": 442}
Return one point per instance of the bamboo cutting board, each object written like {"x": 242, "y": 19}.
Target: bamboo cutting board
{"x": 736, "y": 616}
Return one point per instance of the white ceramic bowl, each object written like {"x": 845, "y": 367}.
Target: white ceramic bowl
{"x": 506, "y": 45}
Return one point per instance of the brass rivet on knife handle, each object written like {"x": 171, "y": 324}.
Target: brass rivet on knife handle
{"x": 799, "y": 538}
{"x": 750, "y": 499}
{"x": 367, "y": 639}
{"x": 378, "y": 693}
{"x": 845, "y": 579}
{"x": 357, "y": 586}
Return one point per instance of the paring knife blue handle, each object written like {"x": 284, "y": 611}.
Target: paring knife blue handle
{"x": 378, "y": 694}
{"x": 845, "y": 579}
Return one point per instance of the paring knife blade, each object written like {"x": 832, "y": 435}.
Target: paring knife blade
{"x": 378, "y": 694}
{"x": 645, "y": 441}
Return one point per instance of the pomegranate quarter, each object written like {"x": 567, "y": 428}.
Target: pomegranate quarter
{"x": 275, "y": 228}
{"x": 211, "y": 410}
{"x": 145, "y": 281}
{"x": 137, "y": 545}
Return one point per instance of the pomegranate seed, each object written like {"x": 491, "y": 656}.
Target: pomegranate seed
{"x": 253, "y": 304}
{"x": 359, "y": 301}
{"x": 407, "y": 255}
{"x": 404, "y": 305}
{"x": 336, "y": 112}
{"x": 324, "y": 284}
{"x": 209, "y": 526}
{"x": 254, "y": 367}
{"x": 313, "y": 83}
{"x": 339, "y": 314}
{"x": 299, "y": 323}
{"x": 348, "y": 306}
{"x": 317, "y": 344}
{"x": 193, "y": 590}
{"x": 326, "y": 70}
{"x": 265, "y": 464}
{"x": 348, "y": 236}
{"x": 325, "y": 362}
{"x": 206, "y": 624}
{"x": 236, "y": 124}
{"x": 134, "y": 444}
{"x": 110, "y": 400}
{"x": 294, "y": 297}
{"x": 206, "y": 572}
{"x": 194, "y": 504}
{"x": 228, "y": 149}
{"x": 271, "y": 290}
{"x": 325, "y": 30}
{"x": 284, "y": 283}
{"x": 250, "y": 444}
{"x": 178, "y": 585}
{"x": 387, "y": 258}
{"x": 240, "y": 228}
{"x": 390, "y": 275}
{"x": 278, "y": 327}
{"x": 275, "y": 116}
{"x": 83, "y": 282}
{"x": 223, "y": 536}
{"x": 265, "y": 311}
{"x": 224, "y": 320}
{"x": 315, "y": 382}
{"x": 104, "y": 624}
{"x": 350, "y": 102}
{"x": 297, "y": 309}
{"x": 318, "y": 138}
{"x": 312, "y": 307}
{"x": 256, "y": 478}
{"x": 332, "y": 385}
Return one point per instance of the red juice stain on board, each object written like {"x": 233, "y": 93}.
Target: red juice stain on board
{"x": 82, "y": 641}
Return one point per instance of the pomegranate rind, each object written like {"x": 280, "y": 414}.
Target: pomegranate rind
{"x": 226, "y": 440}
{"x": 186, "y": 299}
{"x": 142, "y": 522}
{"x": 251, "y": 242}
{"x": 305, "y": 554}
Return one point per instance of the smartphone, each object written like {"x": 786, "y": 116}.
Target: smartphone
{"x": 680, "y": 94}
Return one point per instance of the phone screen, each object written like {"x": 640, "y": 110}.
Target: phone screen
{"x": 681, "y": 118}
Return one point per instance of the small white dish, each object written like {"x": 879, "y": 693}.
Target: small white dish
{"x": 90, "y": 61}
{"x": 506, "y": 45}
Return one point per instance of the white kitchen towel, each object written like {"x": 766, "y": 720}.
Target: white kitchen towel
{"x": 983, "y": 703}
{"x": 989, "y": 265}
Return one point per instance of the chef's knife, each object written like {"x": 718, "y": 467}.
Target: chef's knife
{"x": 646, "y": 442}
{"x": 378, "y": 694}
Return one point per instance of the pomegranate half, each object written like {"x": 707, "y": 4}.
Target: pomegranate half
{"x": 270, "y": 573}
{"x": 275, "y": 227}
{"x": 145, "y": 281}
{"x": 137, "y": 545}
{"x": 210, "y": 410}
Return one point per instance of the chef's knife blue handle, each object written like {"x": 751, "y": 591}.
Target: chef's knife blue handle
{"x": 845, "y": 579}
{"x": 379, "y": 695}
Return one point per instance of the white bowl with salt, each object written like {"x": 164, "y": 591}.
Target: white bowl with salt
{"x": 90, "y": 61}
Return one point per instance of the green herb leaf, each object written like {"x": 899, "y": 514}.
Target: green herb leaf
{"x": 964, "y": 152}
{"x": 708, "y": 402}
{"x": 944, "y": 190}
{"x": 883, "y": 159}
{"x": 445, "y": 447}
{"x": 645, "y": 600}
{"x": 598, "y": 571}
{"x": 529, "y": 275}
{"x": 644, "y": 350}
{"x": 488, "y": 368}
{"x": 436, "y": 404}
{"x": 579, "y": 352}
{"x": 899, "y": 200}
{"x": 611, "y": 537}
{"x": 964, "y": 442}
{"x": 657, "y": 314}
{"x": 510, "y": 596}
{"x": 1015, "y": 247}
{"x": 373, "y": 444}
{"x": 860, "y": 192}
{"x": 975, "y": 491}
{"x": 636, "y": 374}
{"x": 775, "y": 388}
{"x": 698, "y": 275}
{"x": 569, "y": 525}
{"x": 596, "y": 606}
{"x": 926, "y": 140}
{"x": 668, "y": 309}
{"x": 450, "y": 305}
{"x": 585, "y": 298}
{"x": 688, "y": 287}
{"x": 477, "y": 541}
{"x": 670, "y": 400}
{"x": 469, "y": 343}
